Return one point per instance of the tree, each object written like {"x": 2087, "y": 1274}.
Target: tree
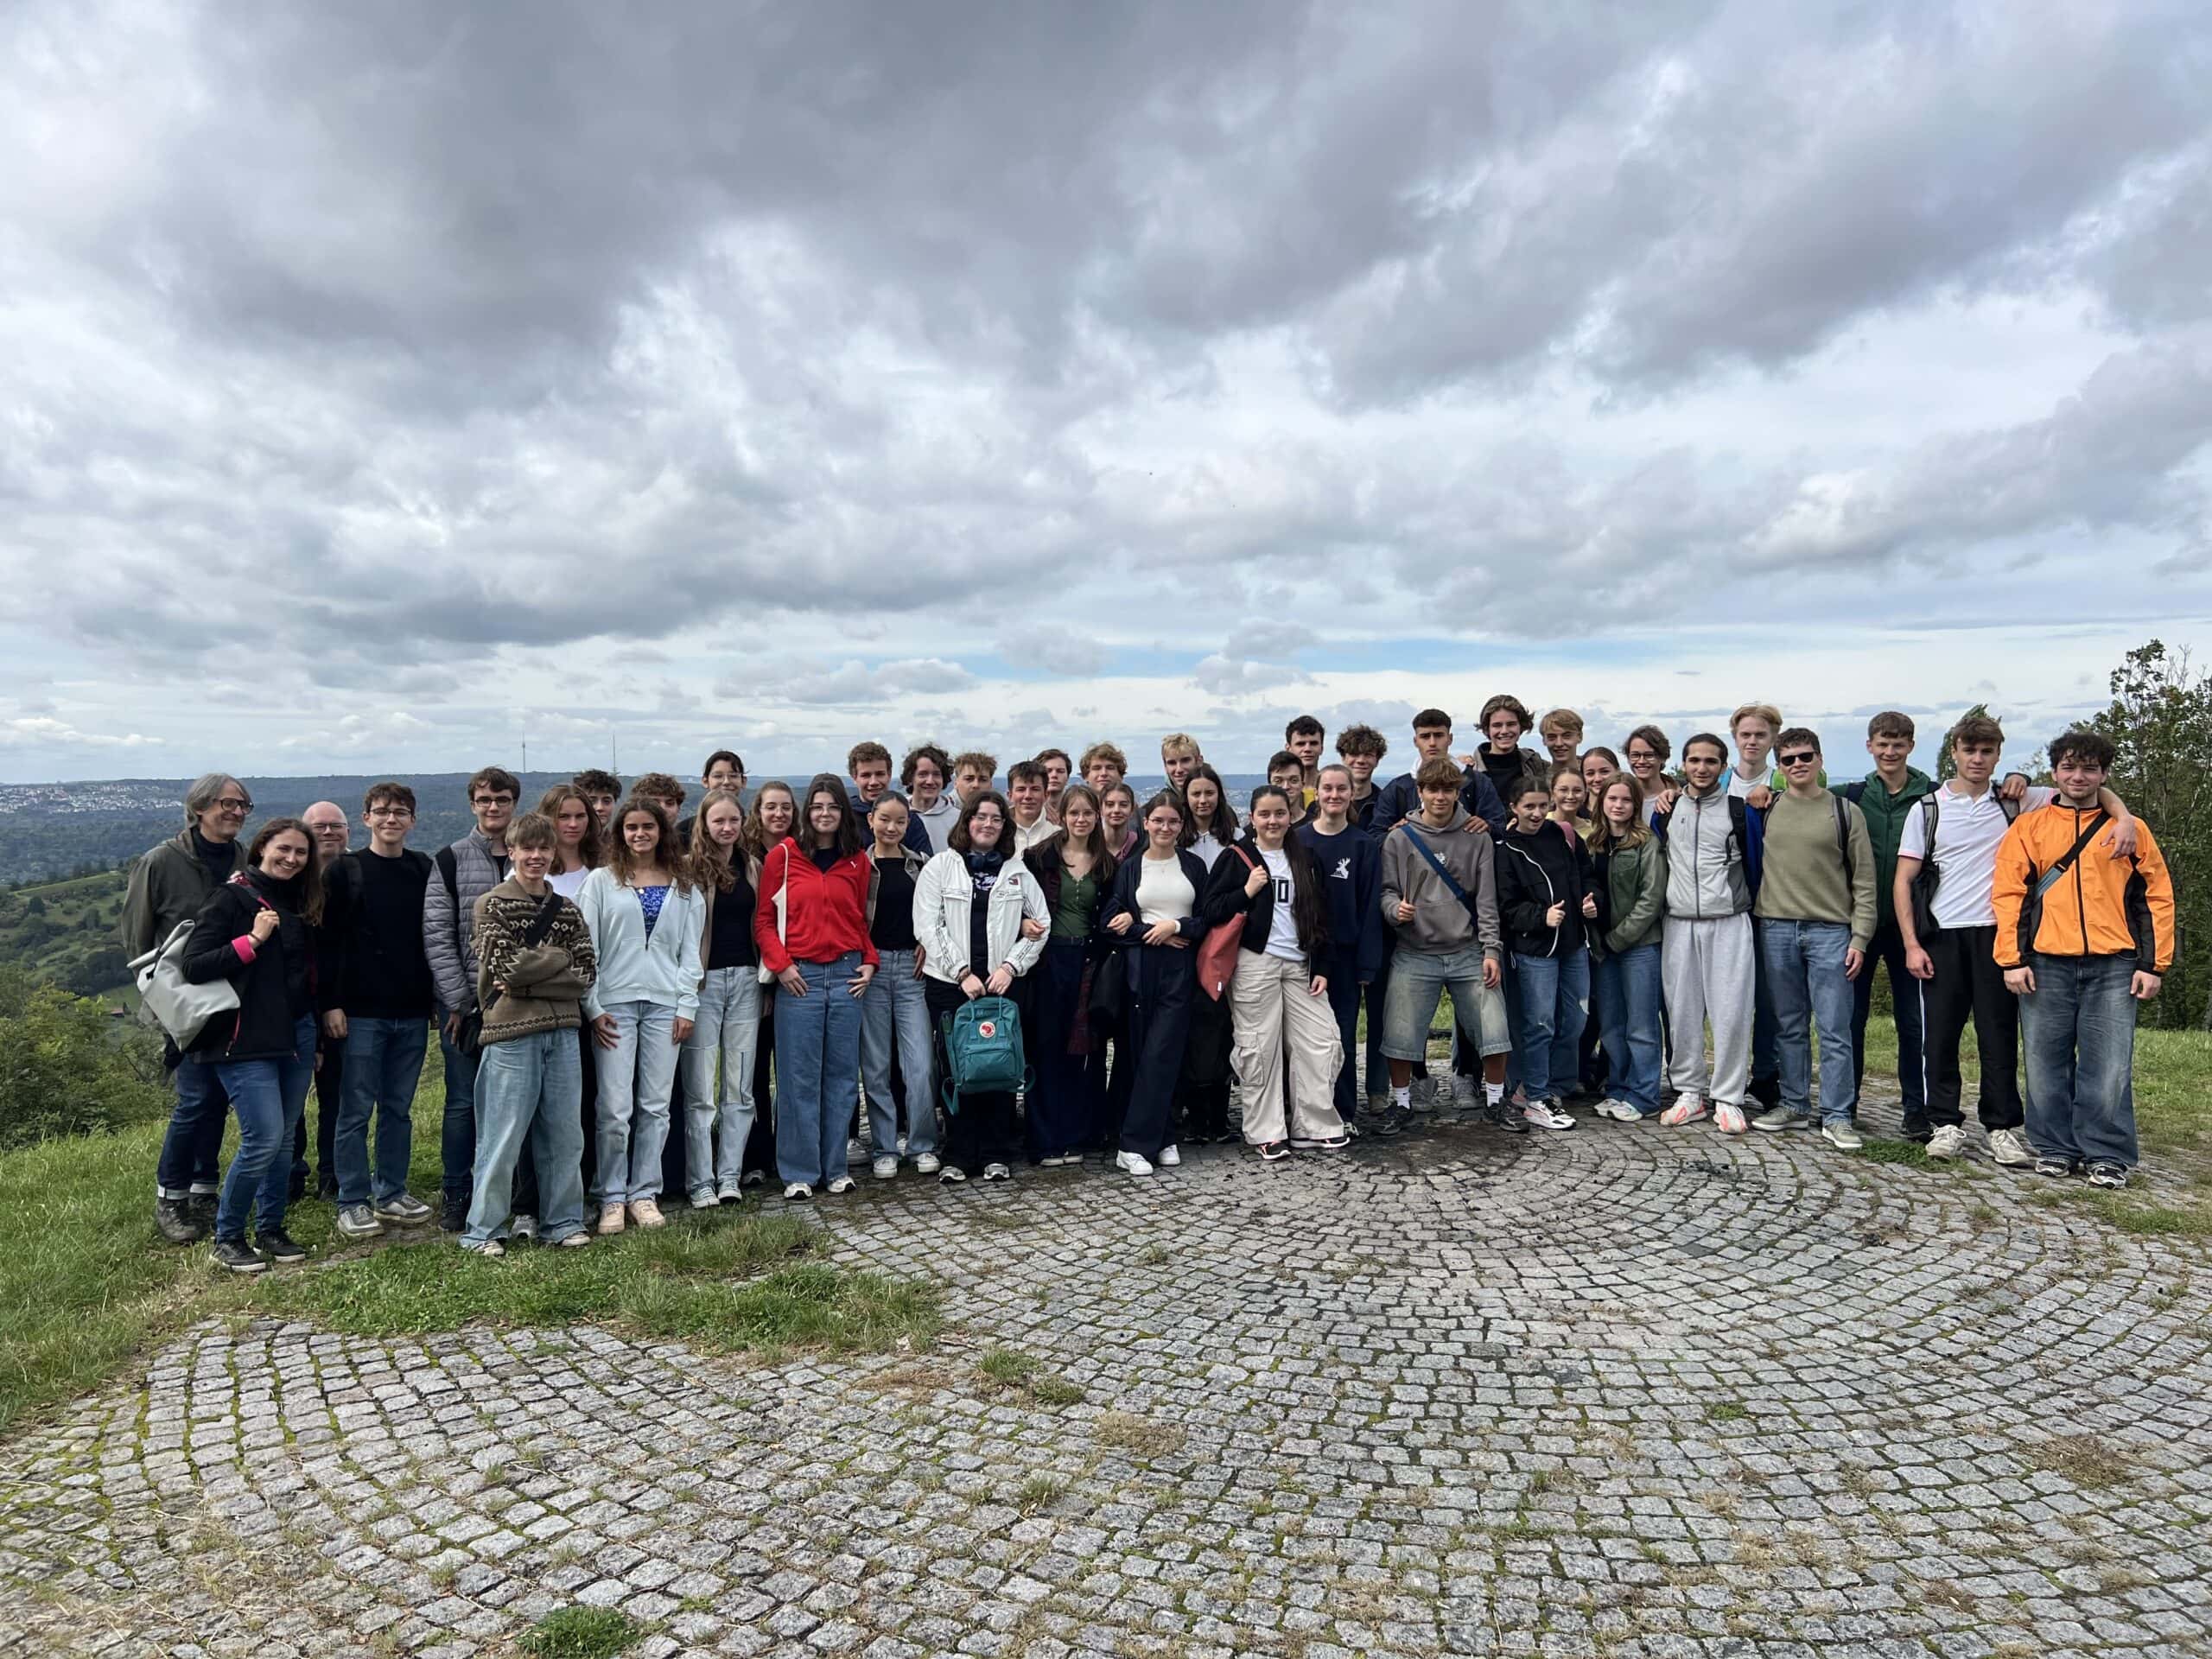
{"x": 2160, "y": 724}
{"x": 65, "y": 1070}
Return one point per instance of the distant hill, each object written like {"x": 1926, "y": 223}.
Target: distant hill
{"x": 65, "y": 932}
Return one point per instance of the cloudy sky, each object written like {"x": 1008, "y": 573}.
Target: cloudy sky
{"x": 379, "y": 384}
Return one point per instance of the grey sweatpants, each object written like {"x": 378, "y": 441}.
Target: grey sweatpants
{"x": 1707, "y": 970}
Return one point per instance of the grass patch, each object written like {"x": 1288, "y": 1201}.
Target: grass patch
{"x": 580, "y": 1633}
{"x": 1895, "y": 1152}
{"x": 1726, "y": 1411}
{"x": 2088, "y": 1460}
{"x": 1009, "y": 1371}
{"x": 1127, "y": 1432}
{"x": 1039, "y": 1492}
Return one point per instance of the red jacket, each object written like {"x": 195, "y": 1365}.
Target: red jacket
{"x": 824, "y": 913}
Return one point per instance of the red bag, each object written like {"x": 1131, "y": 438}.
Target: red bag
{"x": 1217, "y": 955}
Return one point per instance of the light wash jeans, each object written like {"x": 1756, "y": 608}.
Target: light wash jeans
{"x": 716, "y": 1122}
{"x": 894, "y": 1014}
{"x": 2080, "y": 1026}
{"x": 1802, "y": 965}
{"x": 1627, "y": 987}
{"x": 1551, "y": 1003}
{"x": 269, "y": 1096}
{"x": 818, "y": 1056}
{"x": 636, "y": 1077}
{"x": 528, "y": 1089}
{"x": 383, "y": 1064}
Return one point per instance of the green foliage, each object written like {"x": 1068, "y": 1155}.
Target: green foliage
{"x": 1946, "y": 767}
{"x": 580, "y": 1633}
{"x": 66, "y": 933}
{"x": 67, "y": 1068}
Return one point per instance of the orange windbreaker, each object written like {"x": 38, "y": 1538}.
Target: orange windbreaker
{"x": 2099, "y": 906}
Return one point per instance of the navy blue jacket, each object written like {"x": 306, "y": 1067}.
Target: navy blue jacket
{"x": 1402, "y": 800}
{"x": 1350, "y": 866}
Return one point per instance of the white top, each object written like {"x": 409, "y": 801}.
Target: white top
{"x": 663, "y": 969}
{"x": 1163, "y": 890}
{"x": 1739, "y": 786}
{"x": 1283, "y": 924}
{"x": 1967, "y": 830}
{"x": 936, "y": 822}
{"x": 1042, "y": 831}
{"x": 1208, "y": 849}
{"x": 567, "y": 883}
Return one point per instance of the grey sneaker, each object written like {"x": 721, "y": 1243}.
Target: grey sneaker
{"x": 1466, "y": 1097}
{"x": 1782, "y": 1118}
{"x": 405, "y": 1209}
{"x": 172, "y": 1216}
{"x": 2010, "y": 1148}
{"x": 358, "y": 1221}
{"x": 1947, "y": 1142}
{"x": 1841, "y": 1135}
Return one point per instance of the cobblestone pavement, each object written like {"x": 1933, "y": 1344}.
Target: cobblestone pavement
{"x": 1629, "y": 1391}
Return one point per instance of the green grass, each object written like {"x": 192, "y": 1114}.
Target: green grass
{"x": 580, "y": 1633}
{"x": 1725, "y": 1411}
{"x": 1011, "y": 1371}
{"x": 86, "y": 1285}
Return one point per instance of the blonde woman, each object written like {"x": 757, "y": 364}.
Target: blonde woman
{"x": 1628, "y": 872}
{"x": 716, "y": 1066}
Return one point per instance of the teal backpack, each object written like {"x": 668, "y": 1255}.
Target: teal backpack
{"x": 983, "y": 1048}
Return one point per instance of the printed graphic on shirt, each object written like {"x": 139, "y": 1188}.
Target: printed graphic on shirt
{"x": 1341, "y": 872}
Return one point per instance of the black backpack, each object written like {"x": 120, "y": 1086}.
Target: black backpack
{"x": 1930, "y": 876}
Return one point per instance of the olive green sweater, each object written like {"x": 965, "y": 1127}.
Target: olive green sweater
{"x": 1804, "y": 878}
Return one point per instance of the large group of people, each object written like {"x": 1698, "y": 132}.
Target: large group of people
{"x": 631, "y": 1003}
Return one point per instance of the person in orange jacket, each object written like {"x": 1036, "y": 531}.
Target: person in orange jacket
{"x": 2082, "y": 940}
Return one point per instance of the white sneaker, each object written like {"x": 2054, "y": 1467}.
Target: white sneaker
{"x": 840, "y": 1185}
{"x": 1947, "y": 1142}
{"x": 854, "y": 1152}
{"x": 730, "y": 1192}
{"x": 951, "y": 1175}
{"x": 1730, "y": 1120}
{"x": 1134, "y": 1162}
{"x": 645, "y": 1213}
{"x": 1687, "y": 1108}
{"x": 798, "y": 1192}
{"x": 1170, "y": 1156}
{"x": 1546, "y": 1113}
{"x": 524, "y": 1230}
{"x": 705, "y": 1198}
{"x": 902, "y": 1146}
{"x": 884, "y": 1167}
{"x": 997, "y": 1172}
{"x": 2010, "y": 1148}
{"x": 1619, "y": 1110}
{"x": 927, "y": 1164}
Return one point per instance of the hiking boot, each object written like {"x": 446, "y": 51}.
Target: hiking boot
{"x": 172, "y": 1216}
{"x": 238, "y": 1256}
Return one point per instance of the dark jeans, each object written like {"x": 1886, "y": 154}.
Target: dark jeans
{"x": 329, "y": 1105}
{"x": 2080, "y": 1032}
{"x": 386, "y": 1064}
{"x": 1202, "y": 1089}
{"x": 269, "y": 1096}
{"x": 1162, "y": 981}
{"x": 192, "y": 1150}
{"x": 979, "y": 1128}
{"x": 1887, "y": 948}
{"x": 1344, "y": 1001}
{"x": 1766, "y": 1030}
{"x": 760, "y": 1145}
{"x": 1969, "y": 984}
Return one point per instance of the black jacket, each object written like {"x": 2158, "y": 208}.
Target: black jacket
{"x": 1204, "y": 915}
{"x": 1535, "y": 873}
{"x": 1225, "y": 894}
{"x": 276, "y": 988}
{"x": 1046, "y": 862}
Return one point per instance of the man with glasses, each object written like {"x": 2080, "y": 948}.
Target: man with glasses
{"x": 168, "y": 886}
{"x": 464, "y": 871}
{"x": 326, "y": 822}
{"x": 1816, "y": 918}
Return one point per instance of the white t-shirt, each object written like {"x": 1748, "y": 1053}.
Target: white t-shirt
{"x": 567, "y": 883}
{"x": 1968, "y": 830}
{"x": 1043, "y": 829}
{"x": 1207, "y": 848}
{"x": 1283, "y": 924}
{"x": 1164, "y": 892}
{"x": 1739, "y": 786}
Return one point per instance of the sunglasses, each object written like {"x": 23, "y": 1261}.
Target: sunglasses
{"x": 1802, "y": 758}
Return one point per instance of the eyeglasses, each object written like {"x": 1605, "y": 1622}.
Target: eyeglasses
{"x": 232, "y": 804}
{"x": 491, "y": 800}
{"x": 1802, "y": 758}
{"x": 392, "y": 811}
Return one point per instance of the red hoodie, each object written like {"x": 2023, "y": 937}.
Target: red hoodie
{"x": 825, "y": 913}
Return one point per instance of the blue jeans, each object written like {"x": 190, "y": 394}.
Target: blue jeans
{"x": 1887, "y": 948}
{"x": 1554, "y": 1001}
{"x": 1801, "y": 965}
{"x": 895, "y": 1013}
{"x": 2080, "y": 1026}
{"x": 717, "y": 1119}
{"x": 817, "y": 1055}
{"x": 1627, "y": 989}
{"x": 383, "y": 1063}
{"x": 527, "y": 1088}
{"x": 636, "y": 1079}
{"x": 191, "y": 1148}
{"x": 457, "y": 1133}
{"x": 269, "y": 1096}
{"x": 1418, "y": 978}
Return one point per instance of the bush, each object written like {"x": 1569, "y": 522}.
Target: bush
{"x": 65, "y": 1068}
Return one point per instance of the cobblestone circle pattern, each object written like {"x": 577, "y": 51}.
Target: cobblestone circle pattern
{"x": 1627, "y": 1391}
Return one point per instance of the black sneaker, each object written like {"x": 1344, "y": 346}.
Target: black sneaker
{"x": 1390, "y": 1121}
{"x": 238, "y": 1256}
{"x": 280, "y": 1246}
{"x": 326, "y": 1183}
{"x": 2105, "y": 1173}
{"x": 174, "y": 1218}
{"x": 200, "y": 1210}
{"x": 1504, "y": 1115}
{"x": 1917, "y": 1130}
{"x": 2057, "y": 1168}
{"x": 453, "y": 1214}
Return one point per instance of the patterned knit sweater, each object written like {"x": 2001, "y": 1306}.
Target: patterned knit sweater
{"x": 544, "y": 977}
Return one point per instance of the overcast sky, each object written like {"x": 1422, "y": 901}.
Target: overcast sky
{"x": 381, "y": 384}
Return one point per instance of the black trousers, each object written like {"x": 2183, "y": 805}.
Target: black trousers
{"x": 1162, "y": 981}
{"x": 760, "y": 1145}
{"x": 329, "y": 1095}
{"x": 1342, "y": 974}
{"x": 1969, "y": 985}
{"x": 1202, "y": 1089}
{"x": 979, "y": 1129}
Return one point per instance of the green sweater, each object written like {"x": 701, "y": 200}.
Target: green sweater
{"x": 1802, "y": 878}
{"x": 1886, "y": 816}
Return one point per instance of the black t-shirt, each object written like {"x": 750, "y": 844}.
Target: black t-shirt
{"x": 387, "y": 975}
{"x": 893, "y": 928}
{"x": 730, "y": 942}
{"x": 1503, "y": 770}
{"x": 979, "y": 932}
{"x": 825, "y": 858}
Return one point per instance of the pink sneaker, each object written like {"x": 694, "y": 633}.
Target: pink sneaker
{"x": 1687, "y": 1108}
{"x": 1729, "y": 1120}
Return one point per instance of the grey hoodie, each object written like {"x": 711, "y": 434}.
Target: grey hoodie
{"x": 1705, "y": 867}
{"x": 1440, "y": 922}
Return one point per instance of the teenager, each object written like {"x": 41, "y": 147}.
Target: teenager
{"x": 578, "y": 843}
{"x": 1348, "y": 867}
{"x": 1075, "y": 872}
{"x": 971, "y": 775}
{"x": 169, "y": 884}
{"x": 1284, "y": 770}
{"x": 1752, "y": 726}
{"x": 1202, "y": 1092}
{"x": 1567, "y": 798}
{"x": 386, "y": 991}
{"x": 334, "y": 835}
{"x": 1178, "y": 757}
{"x": 1401, "y": 797}
{"x": 1958, "y": 828}
{"x": 868, "y": 766}
{"x": 2081, "y": 950}
{"x": 537, "y": 962}
{"x": 1361, "y": 748}
{"x": 723, "y": 771}
{"x": 1707, "y": 957}
{"x": 1302, "y": 737}
{"x": 969, "y": 905}
{"x": 1117, "y": 809}
{"x": 1288, "y": 1048}
{"x": 1752, "y": 778}
{"x": 715, "y": 1065}
{"x": 927, "y": 776}
{"x": 1599, "y": 764}
{"x": 775, "y": 815}
{"x": 1570, "y": 815}
{"x": 253, "y": 930}
{"x": 1647, "y": 752}
{"x": 812, "y": 932}
{"x": 647, "y": 916}
{"x": 662, "y": 790}
{"x": 1628, "y": 871}
{"x": 1057, "y": 769}
{"x": 604, "y": 790}
{"x": 1438, "y": 894}
{"x": 1103, "y": 764}
{"x": 895, "y": 1022}
{"x": 1561, "y": 733}
{"x": 464, "y": 872}
{"x": 1503, "y": 761}
{"x": 1025, "y": 794}
{"x": 1815, "y": 913}
{"x": 1544, "y": 900}
{"x": 1157, "y": 913}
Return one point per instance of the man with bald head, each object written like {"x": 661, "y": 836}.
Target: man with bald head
{"x": 326, "y": 822}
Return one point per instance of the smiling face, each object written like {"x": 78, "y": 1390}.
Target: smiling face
{"x": 725, "y": 823}
{"x": 1027, "y": 796}
{"x": 1114, "y": 811}
{"x": 777, "y": 811}
{"x": 641, "y": 833}
{"x": 223, "y": 821}
{"x": 1561, "y": 745}
{"x": 1891, "y": 751}
{"x": 389, "y": 822}
{"x": 1596, "y": 768}
{"x": 1334, "y": 790}
{"x": 1701, "y": 763}
{"x": 1642, "y": 760}
{"x": 1503, "y": 729}
{"x": 971, "y": 781}
{"x": 824, "y": 813}
{"x": 1079, "y": 817}
{"x": 532, "y": 863}
{"x": 1801, "y": 765}
{"x": 1362, "y": 767}
{"x": 286, "y": 855}
{"x": 1530, "y": 807}
{"x": 494, "y": 810}
{"x": 1569, "y": 794}
{"x": 985, "y": 828}
{"x": 929, "y": 781}
{"x": 1179, "y": 767}
{"x": 872, "y": 778}
{"x": 2078, "y": 780}
{"x": 1270, "y": 821}
{"x": 888, "y": 820}
{"x": 1161, "y": 826}
{"x": 724, "y": 775}
{"x": 1618, "y": 803}
{"x": 327, "y": 824}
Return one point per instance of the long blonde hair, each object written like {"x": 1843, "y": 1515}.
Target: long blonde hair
{"x": 709, "y": 859}
{"x": 1601, "y": 835}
